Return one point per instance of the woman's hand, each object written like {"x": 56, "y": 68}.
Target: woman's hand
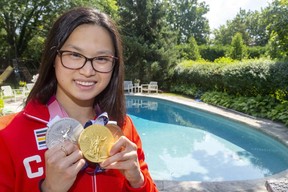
{"x": 63, "y": 162}
{"x": 123, "y": 156}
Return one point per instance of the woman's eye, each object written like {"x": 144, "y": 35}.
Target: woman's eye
{"x": 102, "y": 59}
{"x": 76, "y": 55}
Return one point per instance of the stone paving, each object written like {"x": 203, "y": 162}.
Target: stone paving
{"x": 276, "y": 130}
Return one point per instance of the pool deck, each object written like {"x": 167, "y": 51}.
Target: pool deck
{"x": 276, "y": 130}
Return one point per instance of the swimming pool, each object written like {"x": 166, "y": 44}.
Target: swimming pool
{"x": 186, "y": 144}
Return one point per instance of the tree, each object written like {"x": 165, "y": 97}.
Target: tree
{"x": 277, "y": 16}
{"x": 256, "y": 27}
{"x": 194, "y": 53}
{"x": 108, "y": 6}
{"x": 238, "y": 51}
{"x": 22, "y": 20}
{"x": 274, "y": 47}
{"x": 187, "y": 18}
{"x": 25, "y": 21}
{"x": 148, "y": 40}
{"x": 252, "y": 26}
{"x": 222, "y": 36}
{"x": 3, "y": 44}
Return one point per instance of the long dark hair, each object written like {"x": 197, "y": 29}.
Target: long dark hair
{"x": 112, "y": 99}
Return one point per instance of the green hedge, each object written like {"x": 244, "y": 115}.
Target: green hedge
{"x": 204, "y": 76}
{"x": 247, "y": 78}
{"x": 256, "y": 52}
{"x": 250, "y": 78}
{"x": 211, "y": 53}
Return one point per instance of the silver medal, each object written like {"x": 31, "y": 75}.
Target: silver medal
{"x": 63, "y": 129}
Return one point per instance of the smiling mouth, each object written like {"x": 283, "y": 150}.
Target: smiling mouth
{"x": 85, "y": 83}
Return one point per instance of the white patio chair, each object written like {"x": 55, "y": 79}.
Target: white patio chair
{"x": 8, "y": 92}
{"x": 28, "y": 88}
{"x": 151, "y": 87}
{"x": 128, "y": 86}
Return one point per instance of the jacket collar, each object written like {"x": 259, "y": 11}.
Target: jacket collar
{"x": 37, "y": 111}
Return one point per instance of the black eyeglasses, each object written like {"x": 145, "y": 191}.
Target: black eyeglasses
{"x": 73, "y": 60}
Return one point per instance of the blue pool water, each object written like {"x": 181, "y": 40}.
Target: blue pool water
{"x": 183, "y": 144}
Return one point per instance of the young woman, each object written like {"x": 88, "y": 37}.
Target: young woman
{"x": 81, "y": 76}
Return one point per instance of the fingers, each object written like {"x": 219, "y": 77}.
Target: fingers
{"x": 64, "y": 155}
{"x": 123, "y": 155}
{"x": 64, "y": 150}
{"x": 63, "y": 163}
{"x": 123, "y": 143}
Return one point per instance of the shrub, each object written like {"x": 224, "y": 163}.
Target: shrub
{"x": 1, "y": 105}
{"x": 279, "y": 78}
{"x": 255, "y": 87}
{"x": 279, "y": 113}
{"x": 211, "y": 53}
{"x": 204, "y": 75}
{"x": 256, "y": 52}
{"x": 187, "y": 90}
{"x": 193, "y": 53}
{"x": 239, "y": 49}
{"x": 259, "y": 106}
{"x": 249, "y": 78}
{"x": 226, "y": 60}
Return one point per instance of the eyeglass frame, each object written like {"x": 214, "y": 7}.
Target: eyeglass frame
{"x": 60, "y": 52}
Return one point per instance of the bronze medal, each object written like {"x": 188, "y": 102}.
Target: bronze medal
{"x": 114, "y": 129}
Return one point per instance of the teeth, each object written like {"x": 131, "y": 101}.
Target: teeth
{"x": 85, "y": 83}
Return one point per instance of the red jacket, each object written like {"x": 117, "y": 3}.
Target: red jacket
{"x": 22, "y": 148}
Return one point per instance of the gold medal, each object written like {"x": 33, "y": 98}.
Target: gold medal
{"x": 95, "y": 142}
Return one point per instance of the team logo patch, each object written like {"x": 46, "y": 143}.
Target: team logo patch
{"x": 40, "y": 136}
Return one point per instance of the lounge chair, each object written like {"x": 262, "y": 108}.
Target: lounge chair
{"x": 128, "y": 86}
{"x": 28, "y": 88}
{"x": 8, "y": 92}
{"x": 151, "y": 87}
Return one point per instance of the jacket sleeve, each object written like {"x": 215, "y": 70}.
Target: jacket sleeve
{"x": 7, "y": 176}
{"x": 131, "y": 133}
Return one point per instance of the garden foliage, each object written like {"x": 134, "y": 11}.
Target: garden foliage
{"x": 255, "y": 87}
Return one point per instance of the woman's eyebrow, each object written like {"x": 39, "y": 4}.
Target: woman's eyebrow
{"x": 101, "y": 52}
{"x": 109, "y": 52}
{"x": 74, "y": 47}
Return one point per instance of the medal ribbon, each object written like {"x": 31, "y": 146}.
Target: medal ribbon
{"x": 55, "y": 109}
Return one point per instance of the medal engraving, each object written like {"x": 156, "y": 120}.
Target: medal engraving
{"x": 63, "y": 129}
{"x": 95, "y": 143}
